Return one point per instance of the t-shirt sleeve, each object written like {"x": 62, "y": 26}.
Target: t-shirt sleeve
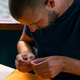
{"x": 27, "y": 31}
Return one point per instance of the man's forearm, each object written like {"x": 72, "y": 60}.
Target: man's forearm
{"x": 24, "y": 47}
{"x": 72, "y": 66}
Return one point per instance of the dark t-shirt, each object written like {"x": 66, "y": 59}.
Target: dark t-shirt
{"x": 61, "y": 38}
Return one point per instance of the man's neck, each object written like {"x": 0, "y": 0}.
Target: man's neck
{"x": 63, "y": 8}
{"x": 70, "y": 2}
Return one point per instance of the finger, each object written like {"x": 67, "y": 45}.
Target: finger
{"x": 31, "y": 58}
{"x": 21, "y": 66}
{"x": 21, "y": 60}
{"x": 39, "y": 64}
{"x": 51, "y": 74}
{"x": 42, "y": 70}
{"x": 46, "y": 75}
{"x": 25, "y": 70}
{"x": 18, "y": 66}
{"x": 39, "y": 60}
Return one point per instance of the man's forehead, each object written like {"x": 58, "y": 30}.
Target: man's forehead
{"x": 29, "y": 19}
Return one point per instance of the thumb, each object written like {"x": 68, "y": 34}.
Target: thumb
{"x": 39, "y": 60}
{"x": 31, "y": 58}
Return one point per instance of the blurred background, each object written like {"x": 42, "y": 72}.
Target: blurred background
{"x": 4, "y": 11}
{"x": 8, "y": 39}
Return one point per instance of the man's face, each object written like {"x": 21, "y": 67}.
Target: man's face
{"x": 38, "y": 21}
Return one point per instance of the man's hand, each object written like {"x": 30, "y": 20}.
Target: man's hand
{"x": 23, "y": 62}
{"x": 48, "y": 67}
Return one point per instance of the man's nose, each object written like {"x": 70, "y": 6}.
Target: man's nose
{"x": 32, "y": 28}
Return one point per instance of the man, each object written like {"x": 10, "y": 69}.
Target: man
{"x": 53, "y": 27}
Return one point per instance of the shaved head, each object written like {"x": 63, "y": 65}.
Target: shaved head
{"x": 18, "y": 7}
{"x": 38, "y": 14}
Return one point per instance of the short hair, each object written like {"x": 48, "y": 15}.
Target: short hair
{"x": 17, "y": 7}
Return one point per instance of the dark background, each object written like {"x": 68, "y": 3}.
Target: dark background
{"x": 8, "y": 46}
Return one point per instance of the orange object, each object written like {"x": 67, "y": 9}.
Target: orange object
{"x": 17, "y": 75}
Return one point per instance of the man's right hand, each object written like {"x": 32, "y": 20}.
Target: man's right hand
{"x": 23, "y": 62}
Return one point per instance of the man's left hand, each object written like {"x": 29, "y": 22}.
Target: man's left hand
{"x": 48, "y": 67}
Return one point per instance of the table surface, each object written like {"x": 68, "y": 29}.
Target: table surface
{"x": 5, "y": 71}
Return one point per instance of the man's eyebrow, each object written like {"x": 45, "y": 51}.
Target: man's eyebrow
{"x": 34, "y": 23}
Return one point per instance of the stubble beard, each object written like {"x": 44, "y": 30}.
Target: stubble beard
{"x": 52, "y": 17}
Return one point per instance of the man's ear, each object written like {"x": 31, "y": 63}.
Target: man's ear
{"x": 50, "y": 4}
